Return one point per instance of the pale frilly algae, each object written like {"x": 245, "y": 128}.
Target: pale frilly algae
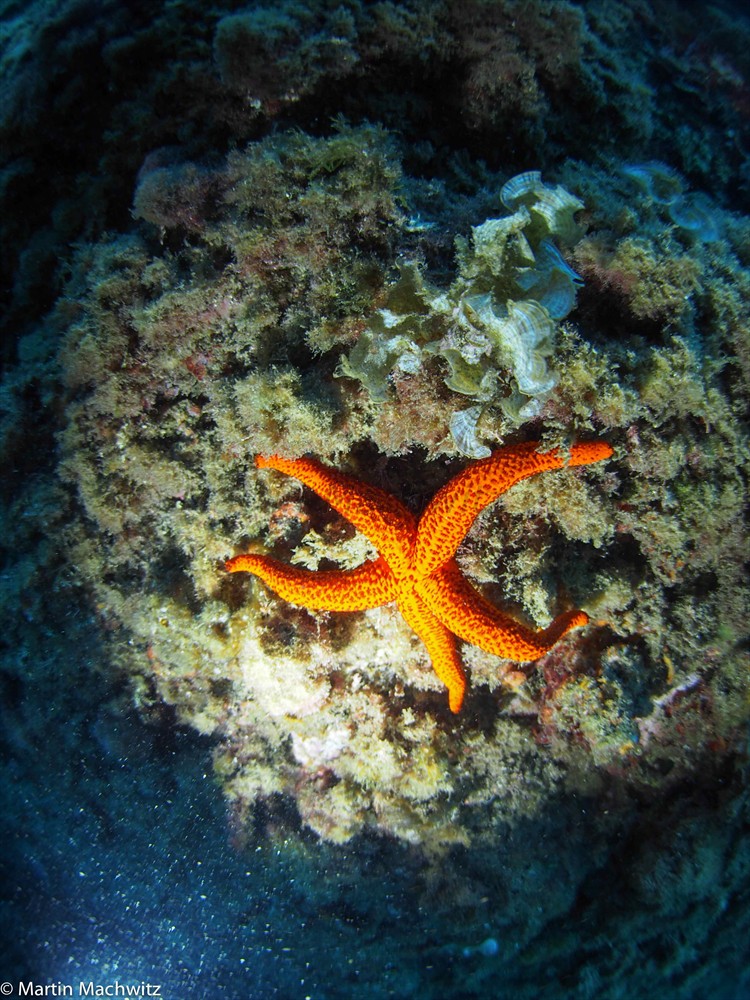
{"x": 665, "y": 188}
{"x": 495, "y": 327}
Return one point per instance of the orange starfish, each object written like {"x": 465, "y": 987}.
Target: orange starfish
{"x": 416, "y": 567}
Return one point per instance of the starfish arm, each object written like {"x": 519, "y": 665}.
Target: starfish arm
{"x": 440, "y": 645}
{"x": 378, "y": 515}
{"x": 451, "y": 512}
{"x": 367, "y": 586}
{"x": 451, "y": 597}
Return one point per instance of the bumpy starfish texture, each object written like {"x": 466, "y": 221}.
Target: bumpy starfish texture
{"x": 416, "y": 564}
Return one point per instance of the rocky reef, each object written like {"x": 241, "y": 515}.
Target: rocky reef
{"x": 183, "y": 363}
{"x": 315, "y": 272}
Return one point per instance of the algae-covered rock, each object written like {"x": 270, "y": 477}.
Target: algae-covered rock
{"x": 282, "y": 316}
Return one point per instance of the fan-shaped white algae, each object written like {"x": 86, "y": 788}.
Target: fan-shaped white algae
{"x": 523, "y": 338}
{"x": 558, "y": 207}
{"x": 554, "y": 205}
{"x": 552, "y": 283}
{"x": 693, "y": 214}
{"x": 520, "y": 187}
{"x": 495, "y": 327}
{"x": 464, "y": 433}
{"x": 660, "y": 182}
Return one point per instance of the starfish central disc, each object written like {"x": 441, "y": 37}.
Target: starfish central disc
{"x": 416, "y": 567}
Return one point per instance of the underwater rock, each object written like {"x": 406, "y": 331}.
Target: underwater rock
{"x": 278, "y": 54}
{"x": 216, "y": 333}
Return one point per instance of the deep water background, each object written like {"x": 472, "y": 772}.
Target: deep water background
{"x": 118, "y": 860}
